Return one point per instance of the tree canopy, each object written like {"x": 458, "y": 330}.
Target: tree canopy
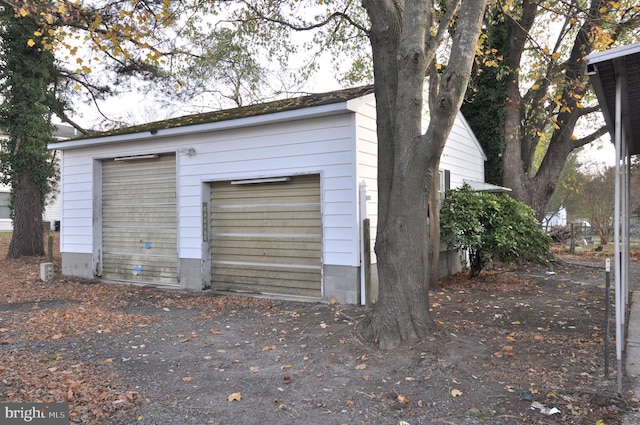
{"x": 539, "y": 63}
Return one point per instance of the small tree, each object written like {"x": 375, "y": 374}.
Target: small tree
{"x": 491, "y": 226}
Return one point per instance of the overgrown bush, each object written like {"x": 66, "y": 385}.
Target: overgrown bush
{"x": 491, "y": 226}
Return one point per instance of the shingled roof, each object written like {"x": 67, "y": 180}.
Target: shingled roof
{"x": 307, "y": 101}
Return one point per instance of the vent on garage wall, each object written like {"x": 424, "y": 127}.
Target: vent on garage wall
{"x": 136, "y": 157}
{"x": 263, "y": 180}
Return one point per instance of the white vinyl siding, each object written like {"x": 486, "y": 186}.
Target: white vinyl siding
{"x": 462, "y": 155}
{"x": 367, "y": 163}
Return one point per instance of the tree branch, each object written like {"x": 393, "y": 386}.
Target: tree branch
{"x": 331, "y": 17}
{"x": 590, "y": 138}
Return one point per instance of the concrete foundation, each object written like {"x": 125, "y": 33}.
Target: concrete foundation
{"x": 79, "y": 265}
{"x": 191, "y": 274}
{"x": 341, "y": 283}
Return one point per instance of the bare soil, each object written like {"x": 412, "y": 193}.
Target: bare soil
{"x": 519, "y": 345}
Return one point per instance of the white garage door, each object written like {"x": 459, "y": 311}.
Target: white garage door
{"x": 139, "y": 220}
{"x": 266, "y": 237}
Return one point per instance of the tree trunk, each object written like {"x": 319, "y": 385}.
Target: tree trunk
{"x": 529, "y": 120}
{"x": 408, "y": 159}
{"x": 434, "y": 235}
{"x": 28, "y": 237}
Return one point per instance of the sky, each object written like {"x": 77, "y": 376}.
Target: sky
{"x": 597, "y": 154}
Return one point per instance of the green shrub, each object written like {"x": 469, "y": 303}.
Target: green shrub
{"x": 491, "y": 226}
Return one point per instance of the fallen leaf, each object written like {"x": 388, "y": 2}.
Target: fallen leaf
{"x": 216, "y": 332}
{"x": 286, "y": 366}
{"x": 234, "y": 397}
{"x": 187, "y": 379}
{"x": 402, "y": 398}
{"x": 456, "y": 393}
{"x": 349, "y": 403}
{"x": 254, "y": 368}
{"x": 4, "y": 330}
{"x": 56, "y": 336}
{"x": 207, "y": 357}
{"x": 361, "y": 366}
{"x": 269, "y": 347}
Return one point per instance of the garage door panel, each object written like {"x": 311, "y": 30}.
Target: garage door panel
{"x": 264, "y": 199}
{"x": 163, "y": 167}
{"x": 267, "y": 237}
{"x": 304, "y": 258}
{"x": 142, "y": 217}
{"x": 139, "y": 268}
{"x": 268, "y": 248}
{"x": 159, "y": 234}
{"x": 249, "y": 214}
{"x": 293, "y": 243}
{"x": 266, "y": 273}
{"x": 141, "y": 247}
{"x": 298, "y": 228}
{"x": 148, "y": 194}
{"x": 139, "y": 221}
{"x": 267, "y": 289}
{"x": 301, "y": 282}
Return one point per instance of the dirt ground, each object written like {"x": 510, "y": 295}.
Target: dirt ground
{"x": 522, "y": 346}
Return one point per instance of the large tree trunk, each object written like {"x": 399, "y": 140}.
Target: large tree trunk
{"x": 528, "y": 117}
{"x": 27, "y": 238}
{"x": 434, "y": 235}
{"x": 408, "y": 159}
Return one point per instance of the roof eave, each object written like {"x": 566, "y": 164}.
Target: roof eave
{"x": 272, "y": 118}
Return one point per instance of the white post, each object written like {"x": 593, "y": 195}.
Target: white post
{"x": 616, "y": 237}
{"x": 626, "y": 242}
{"x": 363, "y": 215}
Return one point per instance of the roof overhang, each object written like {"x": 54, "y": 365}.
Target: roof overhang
{"x": 156, "y": 134}
{"x": 304, "y": 107}
{"x": 620, "y": 65}
{"x": 486, "y": 187}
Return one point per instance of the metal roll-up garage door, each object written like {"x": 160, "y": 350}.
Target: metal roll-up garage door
{"x": 266, "y": 236}
{"x": 139, "y": 220}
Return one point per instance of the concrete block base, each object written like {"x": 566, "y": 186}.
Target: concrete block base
{"x": 341, "y": 283}
{"x": 191, "y": 274}
{"x": 79, "y": 265}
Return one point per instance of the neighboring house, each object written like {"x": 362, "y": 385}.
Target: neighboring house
{"x": 554, "y": 219}
{"x": 51, "y": 214}
{"x": 261, "y": 199}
